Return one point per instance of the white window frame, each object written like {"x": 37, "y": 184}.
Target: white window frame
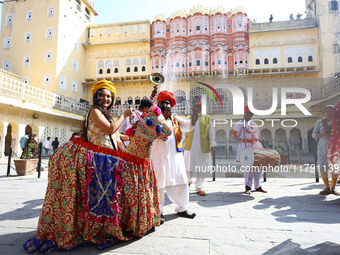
{"x": 6, "y": 63}
{"x": 74, "y": 86}
{"x": 75, "y": 65}
{"x": 62, "y": 82}
{"x": 47, "y": 80}
{"x": 48, "y": 59}
{"x": 8, "y": 43}
{"x": 29, "y": 35}
{"x": 25, "y": 80}
{"x": 9, "y": 23}
{"x": 49, "y": 36}
{"x": 27, "y": 63}
{"x": 29, "y": 19}
{"x": 50, "y": 12}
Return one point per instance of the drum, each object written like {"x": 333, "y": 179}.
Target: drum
{"x": 259, "y": 157}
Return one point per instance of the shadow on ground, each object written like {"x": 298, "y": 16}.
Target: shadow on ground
{"x": 28, "y": 211}
{"x": 289, "y": 247}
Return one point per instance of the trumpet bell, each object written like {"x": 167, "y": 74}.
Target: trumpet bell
{"x": 157, "y": 78}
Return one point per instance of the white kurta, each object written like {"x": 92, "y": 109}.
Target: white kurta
{"x": 168, "y": 162}
{"x": 197, "y": 157}
{"x": 251, "y": 133}
{"x": 126, "y": 124}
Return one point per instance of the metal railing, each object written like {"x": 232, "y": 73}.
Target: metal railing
{"x": 12, "y": 86}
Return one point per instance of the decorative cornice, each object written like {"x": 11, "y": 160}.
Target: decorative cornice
{"x": 238, "y": 9}
{"x": 218, "y": 9}
{"x": 198, "y": 9}
{"x": 159, "y": 17}
{"x": 178, "y": 13}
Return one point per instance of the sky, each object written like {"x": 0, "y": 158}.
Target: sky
{"x": 112, "y": 11}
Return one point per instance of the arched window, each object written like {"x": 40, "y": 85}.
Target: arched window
{"x": 177, "y": 64}
{"x": 128, "y": 69}
{"x": 135, "y": 69}
{"x": 310, "y": 59}
{"x": 290, "y": 60}
{"x": 100, "y": 71}
{"x": 137, "y": 101}
{"x": 130, "y": 101}
{"x": 198, "y": 62}
{"x": 143, "y": 68}
{"x": 108, "y": 70}
{"x": 266, "y": 61}
{"x": 116, "y": 70}
{"x": 300, "y": 59}
{"x": 274, "y": 60}
{"x": 128, "y": 62}
{"x": 189, "y": 64}
{"x": 257, "y": 62}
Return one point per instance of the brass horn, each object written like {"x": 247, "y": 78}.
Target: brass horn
{"x": 157, "y": 79}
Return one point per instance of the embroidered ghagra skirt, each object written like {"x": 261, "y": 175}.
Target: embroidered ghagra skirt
{"x": 95, "y": 195}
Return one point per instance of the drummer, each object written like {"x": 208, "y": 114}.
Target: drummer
{"x": 248, "y": 137}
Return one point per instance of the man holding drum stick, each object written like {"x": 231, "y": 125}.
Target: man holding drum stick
{"x": 248, "y": 137}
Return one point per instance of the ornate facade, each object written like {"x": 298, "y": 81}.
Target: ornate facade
{"x": 200, "y": 41}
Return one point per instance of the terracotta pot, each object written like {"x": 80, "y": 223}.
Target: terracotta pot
{"x": 25, "y": 166}
{"x": 284, "y": 159}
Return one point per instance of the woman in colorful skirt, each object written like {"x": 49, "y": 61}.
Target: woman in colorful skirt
{"x": 97, "y": 194}
{"x": 333, "y": 153}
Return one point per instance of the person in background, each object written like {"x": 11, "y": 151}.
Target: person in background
{"x": 271, "y": 18}
{"x": 55, "y": 144}
{"x": 199, "y": 145}
{"x": 248, "y": 137}
{"x": 23, "y": 141}
{"x": 46, "y": 146}
{"x": 322, "y": 131}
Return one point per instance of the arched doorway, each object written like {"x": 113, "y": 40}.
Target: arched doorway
{"x": 311, "y": 141}
{"x": 28, "y": 129}
{"x": 266, "y": 136}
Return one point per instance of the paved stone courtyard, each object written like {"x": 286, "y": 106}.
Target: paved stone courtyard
{"x": 290, "y": 219}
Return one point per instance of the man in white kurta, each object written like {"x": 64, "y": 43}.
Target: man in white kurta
{"x": 248, "y": 137}
{"x": 169, "y": 162}
{"x": 198, "y": 158}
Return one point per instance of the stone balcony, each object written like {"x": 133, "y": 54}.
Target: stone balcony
{"x": 282, "y": 25}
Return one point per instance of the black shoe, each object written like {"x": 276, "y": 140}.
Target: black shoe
{"x": 186, "y": 214}
{"x": 162, "y": 219}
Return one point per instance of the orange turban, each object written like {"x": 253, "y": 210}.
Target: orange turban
{"x": 104, "y": 84}
{"x": 167, "y": 95}
{"x": 246, "y": 109}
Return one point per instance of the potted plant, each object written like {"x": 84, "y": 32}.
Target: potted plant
{"x": 28, "y": 164}
{"x": 283, "y": 157}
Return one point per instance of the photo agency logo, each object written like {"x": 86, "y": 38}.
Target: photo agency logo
{"x": 238, "y": 103}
